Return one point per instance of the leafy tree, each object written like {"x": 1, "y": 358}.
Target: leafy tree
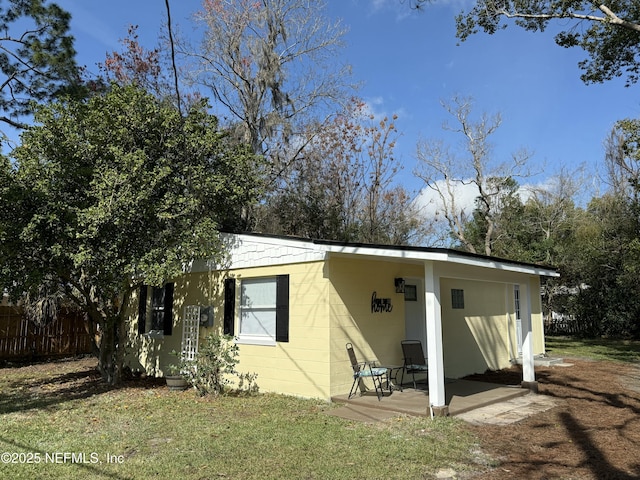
{"x": 36, "y": 56}
{"x": 533, "y": 224}
{"x": 138, "y": 66}
{"x": 608, "y": 31}
{"x": 606, "y": 247}
{"x": 604, "y": 267}
{"x": 105, "y": 202}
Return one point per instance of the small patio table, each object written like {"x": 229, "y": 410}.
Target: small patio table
{"x": 392, "y": 376}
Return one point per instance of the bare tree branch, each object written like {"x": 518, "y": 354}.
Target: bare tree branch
{"x": 447, "y": 173}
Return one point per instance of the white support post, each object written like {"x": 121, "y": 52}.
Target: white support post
{"x": 528, "y": 369}
{"x": 435, "y": 356}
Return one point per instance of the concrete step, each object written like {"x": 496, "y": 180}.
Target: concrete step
{"x": 543, "y": 361}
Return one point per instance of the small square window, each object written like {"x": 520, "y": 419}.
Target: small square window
{"x": 411, "y": 293}
{"x": 457, "y": 298}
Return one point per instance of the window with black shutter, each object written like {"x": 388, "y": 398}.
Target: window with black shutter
{"x": 155, "y": 309}
{"x": 263, "y": 310}
{"x": 229, "y": 306}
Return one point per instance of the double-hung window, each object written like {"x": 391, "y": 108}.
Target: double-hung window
{"x": 258, "y": 310}
{"x": 263, "y": 314}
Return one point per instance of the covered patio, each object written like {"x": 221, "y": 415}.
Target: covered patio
{"x": 461, "y": 396}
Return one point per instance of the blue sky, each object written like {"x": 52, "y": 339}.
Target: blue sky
{"x": 408, "y": 62}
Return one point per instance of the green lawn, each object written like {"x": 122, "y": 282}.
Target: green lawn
{"x": 53, "y": 411}
{"x": 152, "y": 433}
{"x": 598, "y": 349}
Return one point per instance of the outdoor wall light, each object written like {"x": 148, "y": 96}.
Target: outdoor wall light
{"x": 399, "y": 283}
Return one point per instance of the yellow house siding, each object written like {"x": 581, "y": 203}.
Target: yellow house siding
{"x": 482, "y": 335}
{"x": 375, "y": 336}
{"x": 153, "y": 355}
{"x": 330, "y": 305}
{"x": 537, "y": 321}
{"x": 298, "y": 367}
{"x": 475, "y": 337}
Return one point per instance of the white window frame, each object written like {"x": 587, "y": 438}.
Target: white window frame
{"x": 518, "y": 315}
{"x": 268, "y": 339}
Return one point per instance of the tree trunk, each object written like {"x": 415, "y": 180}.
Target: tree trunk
{"x": 111, "y": 357}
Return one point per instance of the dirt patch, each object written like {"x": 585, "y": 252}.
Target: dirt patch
{"x": 594, "y": 433}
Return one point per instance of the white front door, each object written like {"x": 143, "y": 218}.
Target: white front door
{"x": 414, "y": 315}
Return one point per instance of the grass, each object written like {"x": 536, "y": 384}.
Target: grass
{"x": 595, "y": 349}
{"x": 153, "y": 433}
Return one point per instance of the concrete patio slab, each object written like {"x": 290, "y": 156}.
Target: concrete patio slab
{"x": 461, "y": 396}
{"x": 358, "y": 413}
{"x": 510, "y": 411}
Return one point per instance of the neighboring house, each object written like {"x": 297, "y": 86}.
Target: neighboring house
{"x": 293, "y": 304}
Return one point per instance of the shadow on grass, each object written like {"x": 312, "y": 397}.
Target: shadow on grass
{"x": 595, "y": 458}
{"x": 508, "y": 376}
{"x": 35, "y": 391}
{"x": 592, "y": 395}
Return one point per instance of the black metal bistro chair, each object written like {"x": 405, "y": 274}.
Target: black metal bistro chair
{"x": 414, "y": 359}
{"x": 365, "y": 370}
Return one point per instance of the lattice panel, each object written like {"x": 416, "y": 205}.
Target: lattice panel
{"x": 190, "y": 332}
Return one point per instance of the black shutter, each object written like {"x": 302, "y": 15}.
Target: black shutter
{"x": 282, "y": 308}
{"x": 168, "y": 309}
{"x": 229, "y": 305}
{"x": 142, "y": 310}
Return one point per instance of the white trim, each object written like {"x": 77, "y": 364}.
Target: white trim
{"x": 263, "y": 340}
{"x": 254, "y": 251}
{"x": 154, "y": 334}
{"x": 190, "y": 332}
{"x": 246, "y": 251}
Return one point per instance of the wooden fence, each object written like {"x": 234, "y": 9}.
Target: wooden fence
{"x": 563, "y": 325}
{"x": 21, "y": 339}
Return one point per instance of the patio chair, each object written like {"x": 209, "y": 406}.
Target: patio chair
{"x": 365, "y": 370}
{"x": 414, "y": 359}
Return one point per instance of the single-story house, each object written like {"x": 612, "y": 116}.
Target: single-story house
{"x": 292, "y": 304}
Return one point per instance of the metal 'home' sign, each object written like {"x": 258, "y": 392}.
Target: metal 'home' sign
{"x": 380, "y": 305}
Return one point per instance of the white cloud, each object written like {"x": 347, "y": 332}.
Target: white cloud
{"x": 378, "y": 4}
{"x": 401, "y": 9}
{"x": 430, "y": 204}
{"x": 465, "y": 194}
{"x": 375, "y": 106}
